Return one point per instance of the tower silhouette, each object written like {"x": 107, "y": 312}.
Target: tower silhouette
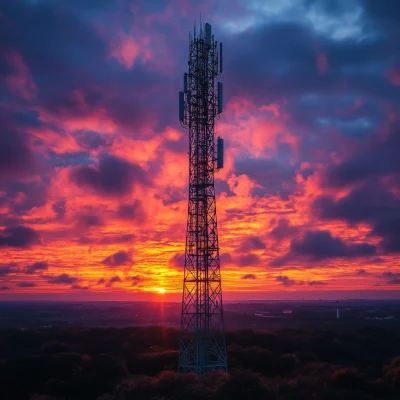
{"x": 202, "y": 342}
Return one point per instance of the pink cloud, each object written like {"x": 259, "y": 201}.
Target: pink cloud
{"x": 393, "y": 74}
{"x": 20, "y": 81}
{"x": 322, "y": 64}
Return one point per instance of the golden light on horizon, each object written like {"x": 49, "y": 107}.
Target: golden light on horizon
{"x": 161, "y": 290}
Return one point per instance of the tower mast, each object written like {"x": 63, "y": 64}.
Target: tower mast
{"x": 202, "y": 342}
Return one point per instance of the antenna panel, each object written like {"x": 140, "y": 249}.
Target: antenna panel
{"x": 220, "y": 98}
{"x": 181, "y": 107}
{"x": 220, "y": 153}
{"x": 208, "y": 34}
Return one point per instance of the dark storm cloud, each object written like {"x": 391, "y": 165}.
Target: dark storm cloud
{"x": 18, "y": 236}
{"x": 250, "y": 243}
{"x": 287, "y": 65}
{"x": 25, "y": 284}
{"x": 38, "y": 266}
{"x": 385, "y": 15}
{"x": 370, "y": 203}
{"x": 62, "y": 279}
{"x": 317, "y": 246}
{"x": 321, "y": 245}
{"x": 248, "y": 259}
{"x": 117, "y": 259}
{"x": 112, "y": 177}
{"x": 377, "y": 159}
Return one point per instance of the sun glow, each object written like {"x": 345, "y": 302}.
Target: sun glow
{"x": 161, "y": 290}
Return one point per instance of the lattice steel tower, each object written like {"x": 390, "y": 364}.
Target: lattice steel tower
{"x": 202, "y": 343}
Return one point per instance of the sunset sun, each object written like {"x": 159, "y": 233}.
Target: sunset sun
{"x": 161, "y": 290}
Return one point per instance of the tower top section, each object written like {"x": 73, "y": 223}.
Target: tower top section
{"x": 204, "y": 65}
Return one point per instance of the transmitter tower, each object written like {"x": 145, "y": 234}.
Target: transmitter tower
{"x": 202, "y": 342}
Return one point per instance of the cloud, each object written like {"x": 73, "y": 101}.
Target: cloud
{"x": 19, "y": 81}
{"x": 283, "y": 230}
{"x": 270, "y": 174}
{"x": 317, "y": 283}
{"x": 26, "y": 284}
{"x": 136, "y": 279}
{"x": 89, "y": 140}
{"x": 59, "y": 207}
{"x": 88, "y": 219}
{"x": 362, "y": 272}
{"x": 377, "y": 159}
{"x": 62, "y": 279}
{"x": 18, "y": 236}
{"x": 177, "y": 261}
{"x": 286, "y": 281}
{"x": 393, "y": 74}
{"x": 249, "y": 276}
{"x": 37, "y": 266}
{"x": 112, "y": 177}
{"x": 6, "y": 269}
{"x": 4, "y": 287}
{"x": 79, "y": 287}
{"x": 369, "y": 203}
{"x": 134, "y": 211}
{"x": 321, "y": 244}
{"x": 117, "y": 259}
{"x": 113, "y": 280}
{"x": 250, "y": 243}
{"x": 248, "y": 259}
{"x": 16, "y": 157}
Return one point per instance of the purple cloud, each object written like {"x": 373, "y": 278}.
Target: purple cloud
{"x": 38, "y": 266}
{"x": 117, "y": 259}
{"x": 18, "y": 236}
{"x": 112, "y": 177}
{"x": 26, "y": 284}
{"x": 249, "y": 276}
{"x": 62, "y": 279}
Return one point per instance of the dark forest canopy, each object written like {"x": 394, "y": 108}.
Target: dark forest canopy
{"x": 141, "y": 363}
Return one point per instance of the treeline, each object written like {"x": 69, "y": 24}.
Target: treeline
{"x": 141, "y": 363}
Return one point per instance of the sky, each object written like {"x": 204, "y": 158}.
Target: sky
{"x": 94, "y": 162}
